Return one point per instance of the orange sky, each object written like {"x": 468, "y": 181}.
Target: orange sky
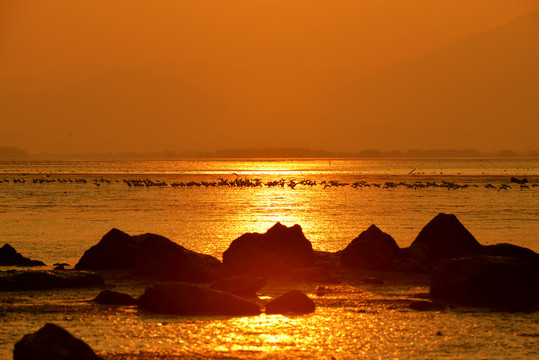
{"x": 266, "y": 62}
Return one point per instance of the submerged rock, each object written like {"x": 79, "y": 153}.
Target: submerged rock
{"x": 151, "y": 255}
{"x": 443, "y": 237}
{"x": 52, "y": 342}
{"x": 273, "y": 253}
{"x": 108, "y": 297}
{"x": 293, "y": 302}
{"x": 241, "y": 285}
{"x": 43, "y": 280}
{"x": 372, "y": 249}
{"x": 10, "y": 257}
{"x": 190, "y": 299}
{"x": 499, "y": 282}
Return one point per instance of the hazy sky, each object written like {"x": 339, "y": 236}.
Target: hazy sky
{"x": 148, "y": 75}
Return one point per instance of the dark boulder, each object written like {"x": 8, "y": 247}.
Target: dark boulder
{"x": 43, "y": 280}
{"x": 372, "y": 249}
{"x": 273, "y": 253}
{"x": 443, "y": 237}
{"x": 108, "y": 297}
{"x": 293, "y": 302}
{"x": 149, "y": 255}
{"x": 240, "y": 285}
{"x": 505, "y": 283}
{"x": 52, "y": 342}
{"x": 10, "y": 257}
{"x": 190, "y": 299}
{"x": 510, "y": 250}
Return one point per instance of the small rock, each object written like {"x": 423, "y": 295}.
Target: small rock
{"x": 108, "y": 297}
{"x": 293, "y": 302}
{"x": 52, "y": 342}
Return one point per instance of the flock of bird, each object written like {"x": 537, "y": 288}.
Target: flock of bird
{"x": 239, "y": 182}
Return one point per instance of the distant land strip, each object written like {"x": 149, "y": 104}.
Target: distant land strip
{"x": 15, "y": 153}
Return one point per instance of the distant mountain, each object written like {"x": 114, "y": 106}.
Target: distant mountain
{"x": 12, "y": 152}
{"x": 480, "y": 90}
{"x": 127, "y": 109}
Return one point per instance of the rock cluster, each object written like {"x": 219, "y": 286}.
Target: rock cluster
{"x": 10, "y": 257}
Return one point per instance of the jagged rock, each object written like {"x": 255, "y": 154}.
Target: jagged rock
{"x": 190, "y": 299}
{"x": 505, "y": 283}
{"x": 52, "y": 342}
{"x": 372, "y": 249}
{"x": 43, "y": 280}
{"x": 443, "y": 237}
{"x": 241, "y": 285}
{"x": 108, "y": 297}
{"x": 273, "y": 253}
{"x": 151, "y": 255}
{"x": 293, "y": 302}
{"x": 10, "y": 257}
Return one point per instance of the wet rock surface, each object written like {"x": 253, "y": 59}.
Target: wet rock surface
{"x": 498, "y": 282}
{"x": 149, "y": 255}
{"x": 190, "y": 299}
{"x": 10, "y": 257}
{"x": 43, "y": 280}
{"x": 273, "y": 253}
{"x": 52, "y": 342}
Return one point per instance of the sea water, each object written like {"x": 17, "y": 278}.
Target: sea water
{"x": 55, "y": 210}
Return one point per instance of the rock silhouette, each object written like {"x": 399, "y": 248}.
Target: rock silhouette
{"x": 52, "y": 342}
{"x": 241, "y": 285}
{"x": 293, "y": 302}
{"x": 443, "y": 237}
{"x": 372, "y": 249}
{"x": 190, "y": 299}
{"x": 108, "y": 297}
{"x": 149, "y": 255}
{"x": 10, "y": 257}
{"x": 505, "y": 283}
{"x": 273, "y": 253}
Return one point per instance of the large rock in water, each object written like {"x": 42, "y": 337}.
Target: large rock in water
{"x": 274, "y": 253}
{"x": 443, "y": 237}
{"x": 190, "y": 299}
{"x": 52, "y": 342}
{"x": 372, "y": 249}
{"x": 151, "y": 255}
{"x": 506, "y": 283}
{"x": 10, "y": 257}
{"x": 44, "y": 280}
{"x": 108, "y": 297}
{"x": 293, "y": 302}
{"x": 240, "y": 285}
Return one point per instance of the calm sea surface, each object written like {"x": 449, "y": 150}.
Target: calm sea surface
{"x": 54, "y": 210}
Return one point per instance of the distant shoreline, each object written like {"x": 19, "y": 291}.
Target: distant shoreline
{"x": 11, "y": 153}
